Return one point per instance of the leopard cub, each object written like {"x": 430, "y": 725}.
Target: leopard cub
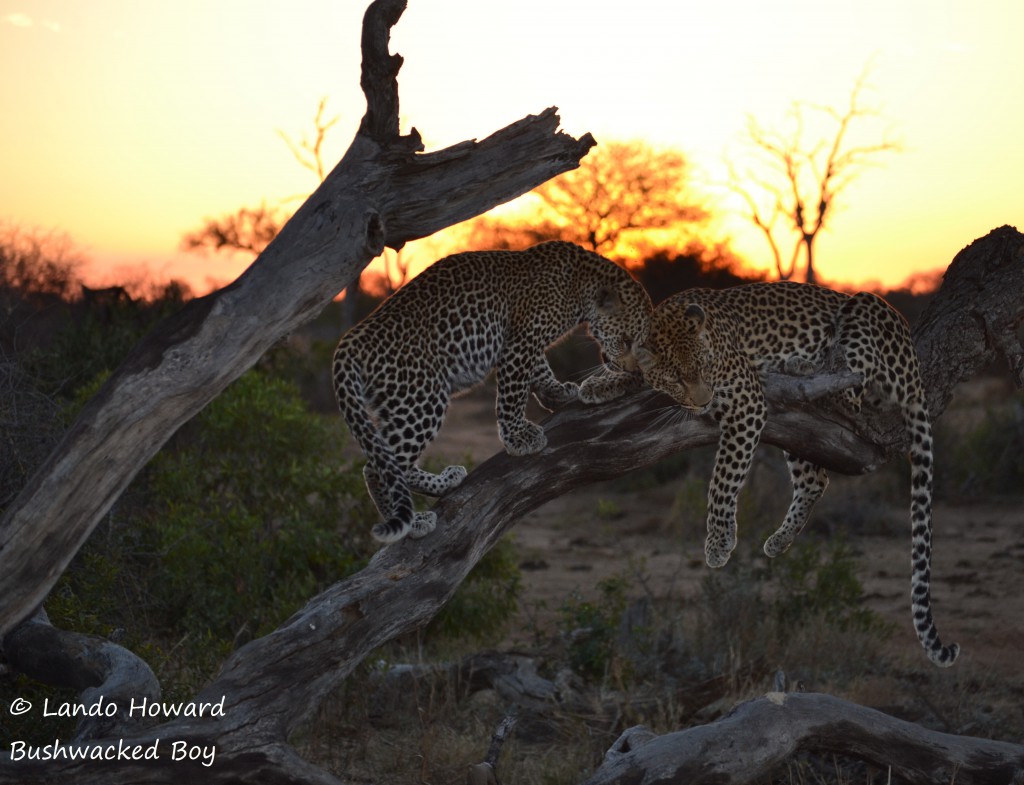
{"x": 708, "y": 350}
{"x": 444, "y": 331}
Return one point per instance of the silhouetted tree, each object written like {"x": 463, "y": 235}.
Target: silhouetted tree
{"x": 251, "y": 229}
{"x": 36, "y": 263}
{"x": 248, "y": 229}
{"x": 621, "y": 189}
{"x": 799, "y": 179}
{"x": 664, "y": 273}
{"x": 310, "y": 153}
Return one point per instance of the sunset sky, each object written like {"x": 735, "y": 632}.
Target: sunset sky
{"x": 124, "y": 123}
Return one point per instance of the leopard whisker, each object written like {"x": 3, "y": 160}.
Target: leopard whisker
{"x": 599, "y": 369}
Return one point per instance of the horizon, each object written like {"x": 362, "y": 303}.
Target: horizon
{"x": 126, "y": 145}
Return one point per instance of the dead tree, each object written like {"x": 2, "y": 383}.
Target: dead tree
{"x": 761, "y": 734}
{"x": 382, "y": 193}
{"x": 273, "y": 683}
{"x": 803, "y": 182}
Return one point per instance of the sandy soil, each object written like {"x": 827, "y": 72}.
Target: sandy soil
{"x": 566, "y": 545}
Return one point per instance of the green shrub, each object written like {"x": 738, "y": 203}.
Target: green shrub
{"x": 253, "y": 513}
{"x": 811, "y": 583}
{"x": 802, "y": 609}
{"x": 990, "y": 459}
{"x": 249, "y": 512}
{"x": 591, "y": 627}
{"x": 486, "y": 601}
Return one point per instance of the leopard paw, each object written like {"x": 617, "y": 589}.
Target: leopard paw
{"x": 527, "y": 440}
{"x": 776, "y": 545}
{"x": 799, "y": 366}
{"x": 557, "y": 396}
{"x": 718, "y": 547}
{"x": 717, "y": 557}
{"x": 608, "y": 386}
{"x": 594, "y": 391}
{"x": 452, "y": 476}
{"x": 423, "y": 524}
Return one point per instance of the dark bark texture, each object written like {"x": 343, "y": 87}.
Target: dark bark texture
{"x": 760, "y": 734}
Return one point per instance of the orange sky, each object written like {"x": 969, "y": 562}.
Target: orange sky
{"x": 125, "y": 123}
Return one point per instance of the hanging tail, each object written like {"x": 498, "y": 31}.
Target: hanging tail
{"x": 921, "y": 474}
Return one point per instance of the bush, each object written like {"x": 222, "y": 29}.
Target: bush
{"x": 486, "y": 601}
{"x": 989, "y": 460}
{"x": 247, "y": 514}
{"x": 250, "y": 511}
{"x": 254, "y": 512}
{"x": 811, "y": 583}
{"x": 591, "y": 627}
{"x": 802, "y": 610}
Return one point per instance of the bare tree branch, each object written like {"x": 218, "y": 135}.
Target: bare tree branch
{"x": 307, "y": 153}
{"x": 100, "y": 669}
{"x": 761, "y": 734}
{"x": 813, "y": 176}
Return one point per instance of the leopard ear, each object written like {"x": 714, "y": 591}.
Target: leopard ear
{"x": 607, "y": 299}
{"x": 695, "y": 315}
{"x": 644, "y": 356}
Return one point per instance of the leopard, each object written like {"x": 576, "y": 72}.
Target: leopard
{"x": 443, "y": 332}
{"x": 709, "y": 350}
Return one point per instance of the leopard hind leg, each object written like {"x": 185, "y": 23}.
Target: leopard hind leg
{"x": 410, "y": 431}
{"x": 430, "y": 484}
{"x": 385, "y": 477}
{"x": 809, "y": 483}
{"x": 426, "y": 421}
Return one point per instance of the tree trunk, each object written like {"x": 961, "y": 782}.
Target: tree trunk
{"x": 763, "y": 733}
{"x": 383, "y": 193}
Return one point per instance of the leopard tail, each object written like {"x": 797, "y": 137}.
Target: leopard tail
{"x": 919, "y": 430}
{"x": 385, "y": 479}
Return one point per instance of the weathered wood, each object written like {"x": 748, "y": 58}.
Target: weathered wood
{"x": 763, "y": 733}
{"x": 99, "y": 669}
{"x": 486, "y": 773}
{"x": 973, "y": 319}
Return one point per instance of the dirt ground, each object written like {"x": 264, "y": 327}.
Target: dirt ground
{"x": 977, "y": 568}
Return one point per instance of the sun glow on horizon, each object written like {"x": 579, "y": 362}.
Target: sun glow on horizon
{"x": 127, "y": 124}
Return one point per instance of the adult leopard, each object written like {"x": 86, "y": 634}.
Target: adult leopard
{"x": 444, "y": 331}
{"x": 708, "y": 349}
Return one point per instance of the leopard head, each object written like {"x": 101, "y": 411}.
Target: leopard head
{"x": 620, "y": 321}
{"x": 676, "y": 358}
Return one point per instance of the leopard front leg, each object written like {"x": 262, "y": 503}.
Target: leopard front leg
{"x": 514, "y": 375}
{"x": 741, "y": 422}
{"x": 608, "y": 384}
{"x": 809, "y": 483}
{"x": 551, "y": 393}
